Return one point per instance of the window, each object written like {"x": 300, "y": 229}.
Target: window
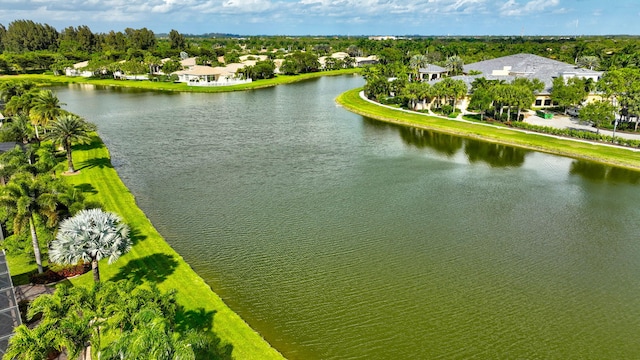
{"x": 538, "y": 102}
{"x": 547, "y": 102}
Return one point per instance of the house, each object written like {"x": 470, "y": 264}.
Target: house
{"x": 368, "y": 60}
{"x": 244, "y": 58}
{"x": 529, "y": 66}
{"x": 342, "y": 56}
{"x": 188, "y": 62}
{"x": 77, "y": 70}
{"x": 199, "y": 75}
{"x": 508, "y": 68}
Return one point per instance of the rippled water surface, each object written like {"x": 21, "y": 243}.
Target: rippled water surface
{"x": 338, "y": 237}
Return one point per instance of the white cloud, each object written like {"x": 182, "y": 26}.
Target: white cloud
{"x": 514, "y": 8}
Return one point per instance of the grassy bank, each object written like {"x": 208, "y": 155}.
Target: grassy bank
{"x": 153, "y": 261}
{"x": 43, "y": 79}
{"x": 616, "y": 156}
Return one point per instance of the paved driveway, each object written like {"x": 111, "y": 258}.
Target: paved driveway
{"x": 569, "y": 122}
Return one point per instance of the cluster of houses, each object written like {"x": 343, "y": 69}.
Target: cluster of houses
{"x": 505, "y": 68}
{"x": 508, "y": 68}
{"x": 229, "y": 74}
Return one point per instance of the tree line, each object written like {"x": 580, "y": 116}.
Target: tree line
{"x": 27, "y": 45}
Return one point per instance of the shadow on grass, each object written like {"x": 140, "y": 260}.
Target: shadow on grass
{"x": 86, "y": 188}
{"x": 136, "y": 236}
{"x": 94, "y": 144}
{"x": 201, "y": 321}
{"x": 152, "y": 269}
{"x": 101, "y": 162}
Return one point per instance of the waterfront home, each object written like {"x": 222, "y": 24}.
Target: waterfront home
{"x": 199, "y": 75}
{"x": 78, "y": 69}
{"x": 508, "y": 68}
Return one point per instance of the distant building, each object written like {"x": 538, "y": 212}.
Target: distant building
{"x": 385, "y": 37}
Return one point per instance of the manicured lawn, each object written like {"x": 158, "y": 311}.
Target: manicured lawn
{"x": 166, "y": 86}
{"x": 616, "y": 156}
{"x": 153, "y": 261}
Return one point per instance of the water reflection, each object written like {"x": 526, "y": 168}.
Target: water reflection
{"x": 495, "y": 155}
{"x": 443, "y": 143}
{"x": 599, "y": 172}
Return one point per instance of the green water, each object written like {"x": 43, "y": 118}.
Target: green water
{"x": 338, "y": 237}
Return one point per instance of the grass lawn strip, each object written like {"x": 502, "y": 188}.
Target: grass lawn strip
{"x": 46, "y": 80}
{"x": 575, "y": 148}
{"x": 152, "y": 261}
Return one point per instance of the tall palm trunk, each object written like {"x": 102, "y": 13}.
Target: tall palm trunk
{"x": 36, "y": 245}
{"x": 96, "y": 270}
{"x": 67, "y": 147}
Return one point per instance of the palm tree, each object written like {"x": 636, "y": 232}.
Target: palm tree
{"x": 152, "y": 337}
{"x": 46, "y": 107}
{"x": 416, "y": 63}
{"x": 9, "y": 89}
{"x": 27, "y": 196}
{"x": 455, "y": 65}
{"x": 90, "y": 235}
{"x": 19, "y": 128}
{"x": 31, "y": 344}
{"x": 67, "y": 129}
{"x": 12, "y": 162}
{"x": 20, "y": 103}
{"x": 69, "y": 320}
{"x": 588, "y": 61}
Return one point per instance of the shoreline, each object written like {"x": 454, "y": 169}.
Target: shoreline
{"x": 56, "y": 80}
{"x": 153, "y": 261}
{"x": 574, "y": 148}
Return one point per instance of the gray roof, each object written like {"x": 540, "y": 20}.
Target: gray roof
{"x": 6, "y": 146}
{"x": 9, "y": 312}
{"x": 431, "y": 69}
{"x": 528, "y": 66}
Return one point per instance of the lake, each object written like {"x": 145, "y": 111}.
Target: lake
{"x": 339, "y": 237}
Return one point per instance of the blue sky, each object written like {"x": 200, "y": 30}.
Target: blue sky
{"x": 336, "y": 17}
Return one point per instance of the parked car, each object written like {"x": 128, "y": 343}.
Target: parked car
{"x": 573, "y": 111}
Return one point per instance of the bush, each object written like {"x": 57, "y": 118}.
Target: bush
{"x": 446, "y": 109}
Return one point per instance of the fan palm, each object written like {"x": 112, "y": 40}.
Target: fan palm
{"x": 91, "y": 235}
{"x": 67, "y": 129}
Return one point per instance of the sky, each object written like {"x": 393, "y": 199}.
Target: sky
{"x": 336, "y": 17}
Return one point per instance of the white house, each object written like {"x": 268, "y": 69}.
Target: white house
{"x": 77, "y": 70}
{"x": 199, "y": 75}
